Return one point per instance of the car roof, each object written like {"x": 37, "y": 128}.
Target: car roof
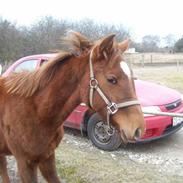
{"x": 39, "y": 56}
{"x": 46, "y": 56}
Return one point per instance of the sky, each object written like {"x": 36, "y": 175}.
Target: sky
{"x": 142, "y": 17}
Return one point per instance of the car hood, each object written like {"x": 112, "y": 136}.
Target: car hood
{"x": 151, "y": 94}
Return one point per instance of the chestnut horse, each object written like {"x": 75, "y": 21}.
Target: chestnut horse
{"x": 34, "y": 105}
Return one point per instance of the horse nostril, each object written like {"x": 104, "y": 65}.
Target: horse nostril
{"x": 137, "y": 134}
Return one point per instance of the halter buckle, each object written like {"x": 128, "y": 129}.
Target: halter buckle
{"x": 112, "y": 108}
{"x": 93, "y": 83}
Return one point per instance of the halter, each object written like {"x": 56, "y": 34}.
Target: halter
{"x": 112, "y": 107}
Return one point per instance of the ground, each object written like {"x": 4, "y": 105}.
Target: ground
{"x": 78, "y": 161}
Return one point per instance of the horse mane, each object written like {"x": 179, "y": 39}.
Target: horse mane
{"x": 26, "y": 83}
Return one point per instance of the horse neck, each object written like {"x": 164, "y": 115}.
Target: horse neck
{"x": 56, "y": 101}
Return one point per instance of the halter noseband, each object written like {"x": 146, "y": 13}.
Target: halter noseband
{"x": 112, "y": 107}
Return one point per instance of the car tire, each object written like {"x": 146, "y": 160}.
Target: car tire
{"x": 99, "y": 136}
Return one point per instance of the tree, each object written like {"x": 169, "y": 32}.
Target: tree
{"x": 94, "y": 30}
{"x": 45, "y": 35}
{"x": 10, "y": 41}
{"x": 150, "y": 43}
{"x": 170, "y": 40}
{"x": 179, "y": 45}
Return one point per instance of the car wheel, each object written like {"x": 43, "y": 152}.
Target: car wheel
{"x": 98, "y": 135}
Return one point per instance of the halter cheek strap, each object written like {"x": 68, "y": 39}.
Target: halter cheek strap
{"x": 112, "y": 107}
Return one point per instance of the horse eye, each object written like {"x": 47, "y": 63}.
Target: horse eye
{"x": 112, "y": 80}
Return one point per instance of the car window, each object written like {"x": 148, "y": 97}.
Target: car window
{"x": 28, "y": 65}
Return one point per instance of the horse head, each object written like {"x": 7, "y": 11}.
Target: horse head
{"x": 112, "y": 90}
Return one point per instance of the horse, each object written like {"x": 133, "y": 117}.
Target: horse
{"x": 34, "y": 105}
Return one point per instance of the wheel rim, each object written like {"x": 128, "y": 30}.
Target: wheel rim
{"x": 100, "y": 134}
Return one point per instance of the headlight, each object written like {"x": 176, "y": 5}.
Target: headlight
{"x": 150, "y": 109}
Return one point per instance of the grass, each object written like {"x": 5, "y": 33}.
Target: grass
{"x": 69, "y": 174}
{"x": 169, "y": 76}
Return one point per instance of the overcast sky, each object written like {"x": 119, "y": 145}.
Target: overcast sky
{"x": 143, "y": 17}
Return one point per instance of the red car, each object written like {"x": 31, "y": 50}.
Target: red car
{"x": 152, "y": 97}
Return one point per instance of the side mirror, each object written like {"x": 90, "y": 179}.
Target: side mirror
{"x": 1, "y": 69}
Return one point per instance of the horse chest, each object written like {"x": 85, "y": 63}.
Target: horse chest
{"x": 48, "y": 149}
{"x": 50, "y": 141}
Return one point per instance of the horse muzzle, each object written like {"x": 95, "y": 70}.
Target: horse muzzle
{"x": 131, "y": 139}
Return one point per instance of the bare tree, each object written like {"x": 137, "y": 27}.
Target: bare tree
{"x": 150, "y": 43}
{"x": 10, "y": 39}
{"x": 179, "y": 45}
{"x": 169, "y": 40}
{"x": 45, "y": 35}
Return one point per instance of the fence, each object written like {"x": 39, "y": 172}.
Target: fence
{"x": 153, "y": 59}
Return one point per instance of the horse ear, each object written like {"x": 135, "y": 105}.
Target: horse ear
{"x": 106, "y": 46}
{"x": 123, "y": 46}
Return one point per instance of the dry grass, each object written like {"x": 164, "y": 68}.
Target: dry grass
{"x": 170, "y": 76}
